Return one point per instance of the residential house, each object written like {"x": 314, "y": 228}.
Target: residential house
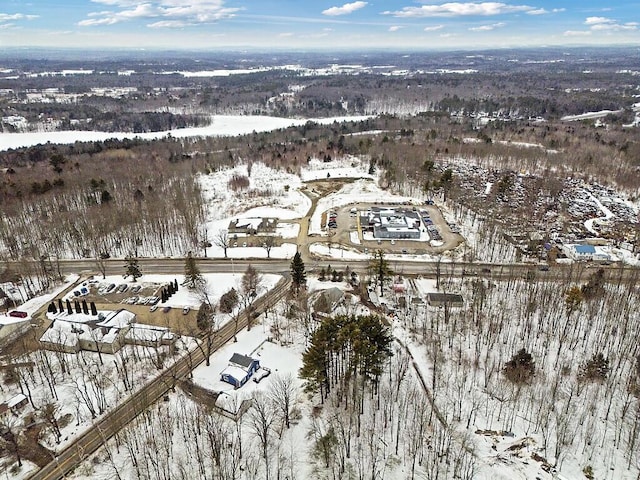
{"x": 239, "y": 370}
{"x": 12, "y": 406}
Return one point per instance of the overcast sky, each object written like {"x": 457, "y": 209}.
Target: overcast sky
{"x": 316, "y": 24}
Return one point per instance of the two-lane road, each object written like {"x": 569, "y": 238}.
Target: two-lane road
{"x": 121, "y": 415}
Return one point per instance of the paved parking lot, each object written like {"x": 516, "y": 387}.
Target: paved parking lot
{"x": 346, "y": 223}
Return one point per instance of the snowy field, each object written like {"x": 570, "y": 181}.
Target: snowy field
{"x": 221, "y": 125}
{"x": 347, "y": 167}
{"x": 361, "y": 190}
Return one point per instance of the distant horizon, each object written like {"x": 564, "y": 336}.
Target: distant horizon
{"x": 317, "y": 50}
{"x": 322, "y": 25}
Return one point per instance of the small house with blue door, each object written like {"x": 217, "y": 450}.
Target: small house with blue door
{"x": 239, "y": 370}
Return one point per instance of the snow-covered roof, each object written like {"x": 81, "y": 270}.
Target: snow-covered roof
{"x": 8, "y": 320}
{"x": 235, "y": 371}
{"x": 21, "y": 397}
{"x": 227, "y": 402}
{"x": 249, "y": 223}
{"x": 148, "y": 333}
{"x": 77, "y": 317}
{"x": 62, "y": 332}
{"x": 120, "y": 318}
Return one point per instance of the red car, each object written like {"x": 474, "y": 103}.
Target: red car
{"x": 18, "y": 313}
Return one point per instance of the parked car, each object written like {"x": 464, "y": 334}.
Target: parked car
{"x": 153, "y": 308}
{"x": 110, "y": 288}
{"x": 122, "y": 288}
{"x": 185, "y": 310}
{"x": 136, "y": 288}
{"x": 18, "y": 314}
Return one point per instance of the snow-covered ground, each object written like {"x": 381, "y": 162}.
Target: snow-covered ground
{"x": 589, "y": 115}
{"x": 588, "y": 224}
{"x": 362, "y": 190}
{"x": 221, "y": 125}
{"x": 31, "y": 306}
{"x": 349, "y": 167}
{"x": 500, "y": 424}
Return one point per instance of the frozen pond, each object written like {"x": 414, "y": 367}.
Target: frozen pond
{"x": 221, "y": 125}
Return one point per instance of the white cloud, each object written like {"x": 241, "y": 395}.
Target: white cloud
{"x": 6, "y": 17}
{"x": 285, "y": 34}
{"x": 6, "y": 26}
{"x": 97, "y": 21}
{"x": 598, "y": 20}
{"x": 456, "y": 9}
{"x": 487, "y": 28}
{"x": 168, "y": 24}
{"x": 433, "y": 28}
{"x": 394, "y": 28}
{"x": 344, "y": 9}
{"x": 614, "y": 27}
{"x": 604, "y": 24}
{"x": 170, "y": 13}
{"x": 542, "y": 11}
{"x": 577, "y": 33}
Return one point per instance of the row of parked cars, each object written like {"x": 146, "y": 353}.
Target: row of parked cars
{"x": 135, "y": 300}
{"x": 333, "y": 220}
{"x": 433, "y": 232}
{"x": 431, "y": 228}
{"x": 112, "y": 288}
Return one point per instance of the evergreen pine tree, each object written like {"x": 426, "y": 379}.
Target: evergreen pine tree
{"x": 205, "y": 320}
{"x": 520, "y": 368}
{"x": 595, "y": 369}
{"x": 193, "y": 279}
{"x": 298, "y": 274}
{"x": 229, "y": 300}
{"x": 379, "y": 268}
{"x": 132, "y": 267}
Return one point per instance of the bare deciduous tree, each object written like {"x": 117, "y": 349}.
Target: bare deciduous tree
{"x": 282, "y": 391}
{"x": 222, "y": 240}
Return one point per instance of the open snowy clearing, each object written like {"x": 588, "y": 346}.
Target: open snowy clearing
{"x": 359, "y": 191}
{"x": 346, "y": 167}
{"x": 221, "y": 125}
